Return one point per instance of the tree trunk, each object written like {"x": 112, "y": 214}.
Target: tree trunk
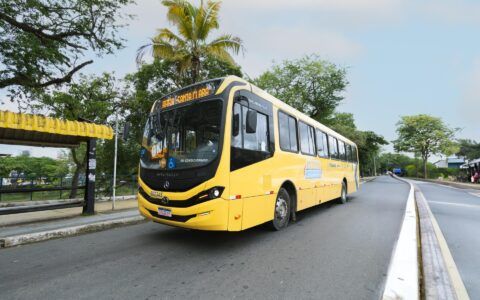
{"x": 195, "y": 69}
{"x": 425, "y": 168}
{"x": 79, "y": 165}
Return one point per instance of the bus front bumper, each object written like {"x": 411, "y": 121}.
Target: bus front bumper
{"x": 210, "y": 215}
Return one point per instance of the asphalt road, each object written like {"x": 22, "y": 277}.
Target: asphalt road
{"x": 333, "y": 251}
{"x": 457, "y": 212}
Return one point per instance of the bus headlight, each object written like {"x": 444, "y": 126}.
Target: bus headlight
{"x": 215, "y": 192}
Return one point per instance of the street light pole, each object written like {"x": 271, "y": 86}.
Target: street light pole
{"x": 115, "y": 162}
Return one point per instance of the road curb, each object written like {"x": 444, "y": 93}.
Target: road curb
{"x": 403, "y": 273}
{"x": 23, "y": 239}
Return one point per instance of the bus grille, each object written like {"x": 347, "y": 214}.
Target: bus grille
{"x": 197, "y": 199}
{"x": 176, "y": 218}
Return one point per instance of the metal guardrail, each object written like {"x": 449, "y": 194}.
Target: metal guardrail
{"x": 14, "y": 189}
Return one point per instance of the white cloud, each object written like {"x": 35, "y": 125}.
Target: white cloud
{"x": 279, "y": 43}
{"x": 450, "y": 11}
{"x": 356, "y": 6}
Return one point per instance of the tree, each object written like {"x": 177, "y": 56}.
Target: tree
{"x": 32, "y": 167}
{"x": 424, "y": 135}
{"x": 468, "y": 149}
{"x": 388, "y": 161}
{"x": 191, "y": 46}
{"x": 90, "y": 98}
{"x": 311, "y": 85}
{"x": 368, "y": 142}
{"x": 44, "y": 42}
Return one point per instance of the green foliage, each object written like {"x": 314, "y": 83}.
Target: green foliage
{"x": 424, "y": 135}
{"x": 412, "y": 166}
{"x": 469, "y": 149}
{"x": 43, "y": 42}
{"x": 311, "y": 85}
{"x": 90, "y": 97}
{"x": 127, "y": 157}
{"x": 34, "y": 166}
{"x": 411, "y": 170}
{"x": 191, "y": 46}
{"x": 389, "y": 161}
{"x": 368, "y": 142}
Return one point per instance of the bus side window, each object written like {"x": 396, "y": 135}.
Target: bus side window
{"x": 257, "y": 141}
{"x": 341, "y": 150}
{"x": 307, "y": 139}
{"x": 333, "y": 146}
{"x": 287, "y": 132}
{"x": 348, "y": 150}
{"x": 354, "y": 154}
{"x": 322, "y": 144}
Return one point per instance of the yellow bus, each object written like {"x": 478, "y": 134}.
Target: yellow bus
{"x": 225, "y": 155}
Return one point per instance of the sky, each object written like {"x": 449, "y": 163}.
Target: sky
{"x": 402, "y": 57}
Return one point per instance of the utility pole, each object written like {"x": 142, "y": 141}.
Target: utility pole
{"x": 115, "y": 162}
{"x": 374, "y": 166}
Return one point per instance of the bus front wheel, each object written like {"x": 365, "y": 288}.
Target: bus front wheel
{"x": 281, "y": 215}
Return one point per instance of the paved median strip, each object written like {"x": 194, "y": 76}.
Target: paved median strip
{"x": 21, "y": 239}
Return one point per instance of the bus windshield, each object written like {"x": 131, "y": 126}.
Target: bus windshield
{"x": 182, "y": 138}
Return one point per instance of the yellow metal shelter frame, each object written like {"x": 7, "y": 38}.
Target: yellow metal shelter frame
{"x": 37, "y": 130}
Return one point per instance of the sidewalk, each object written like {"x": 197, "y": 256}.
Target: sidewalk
{"x": 32, "y": 227}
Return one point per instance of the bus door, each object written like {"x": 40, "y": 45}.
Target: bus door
{"x": 251, "y": 146}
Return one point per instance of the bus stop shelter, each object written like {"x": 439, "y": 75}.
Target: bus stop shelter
{"x": 41, "y": 131}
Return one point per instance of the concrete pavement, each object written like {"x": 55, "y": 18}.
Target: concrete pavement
{"x": 19, "y": 229}
{"x": 332, "y": 252}
{"x": 58, "y": 214}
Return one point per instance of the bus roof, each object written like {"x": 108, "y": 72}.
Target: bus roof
{"x": 283, "y": 106}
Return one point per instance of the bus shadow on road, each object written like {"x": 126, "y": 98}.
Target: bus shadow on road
{"x": 219, "y": 241}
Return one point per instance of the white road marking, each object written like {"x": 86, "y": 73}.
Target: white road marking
{"x": 475, "y": 194}
{"x": 455, "y": 204}
{"x": 402, "y": 278}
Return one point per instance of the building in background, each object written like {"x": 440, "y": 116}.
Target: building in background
{"x": 450, "y": 162}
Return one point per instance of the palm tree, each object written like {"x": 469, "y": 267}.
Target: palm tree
{"x": 190, "y": 46}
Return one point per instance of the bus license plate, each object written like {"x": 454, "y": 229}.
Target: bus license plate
{"x": 164, "y": 212}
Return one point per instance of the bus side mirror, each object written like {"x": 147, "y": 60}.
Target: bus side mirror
{"x": 236, "y": 125}
{"x": 251, "y": 121}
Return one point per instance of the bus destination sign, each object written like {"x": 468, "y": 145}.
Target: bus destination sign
{"x": 183, "y": 96}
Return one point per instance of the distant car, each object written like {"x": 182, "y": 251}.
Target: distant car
{"x": 398, "y": 171}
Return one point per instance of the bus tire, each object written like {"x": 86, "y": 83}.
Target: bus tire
{"x": 281, "y": 213}
{"x": 343, "y": 193}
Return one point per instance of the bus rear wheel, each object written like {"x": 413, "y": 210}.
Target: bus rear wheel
{"x": 282, "y": 208}
{"x": 343, "y": 194}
